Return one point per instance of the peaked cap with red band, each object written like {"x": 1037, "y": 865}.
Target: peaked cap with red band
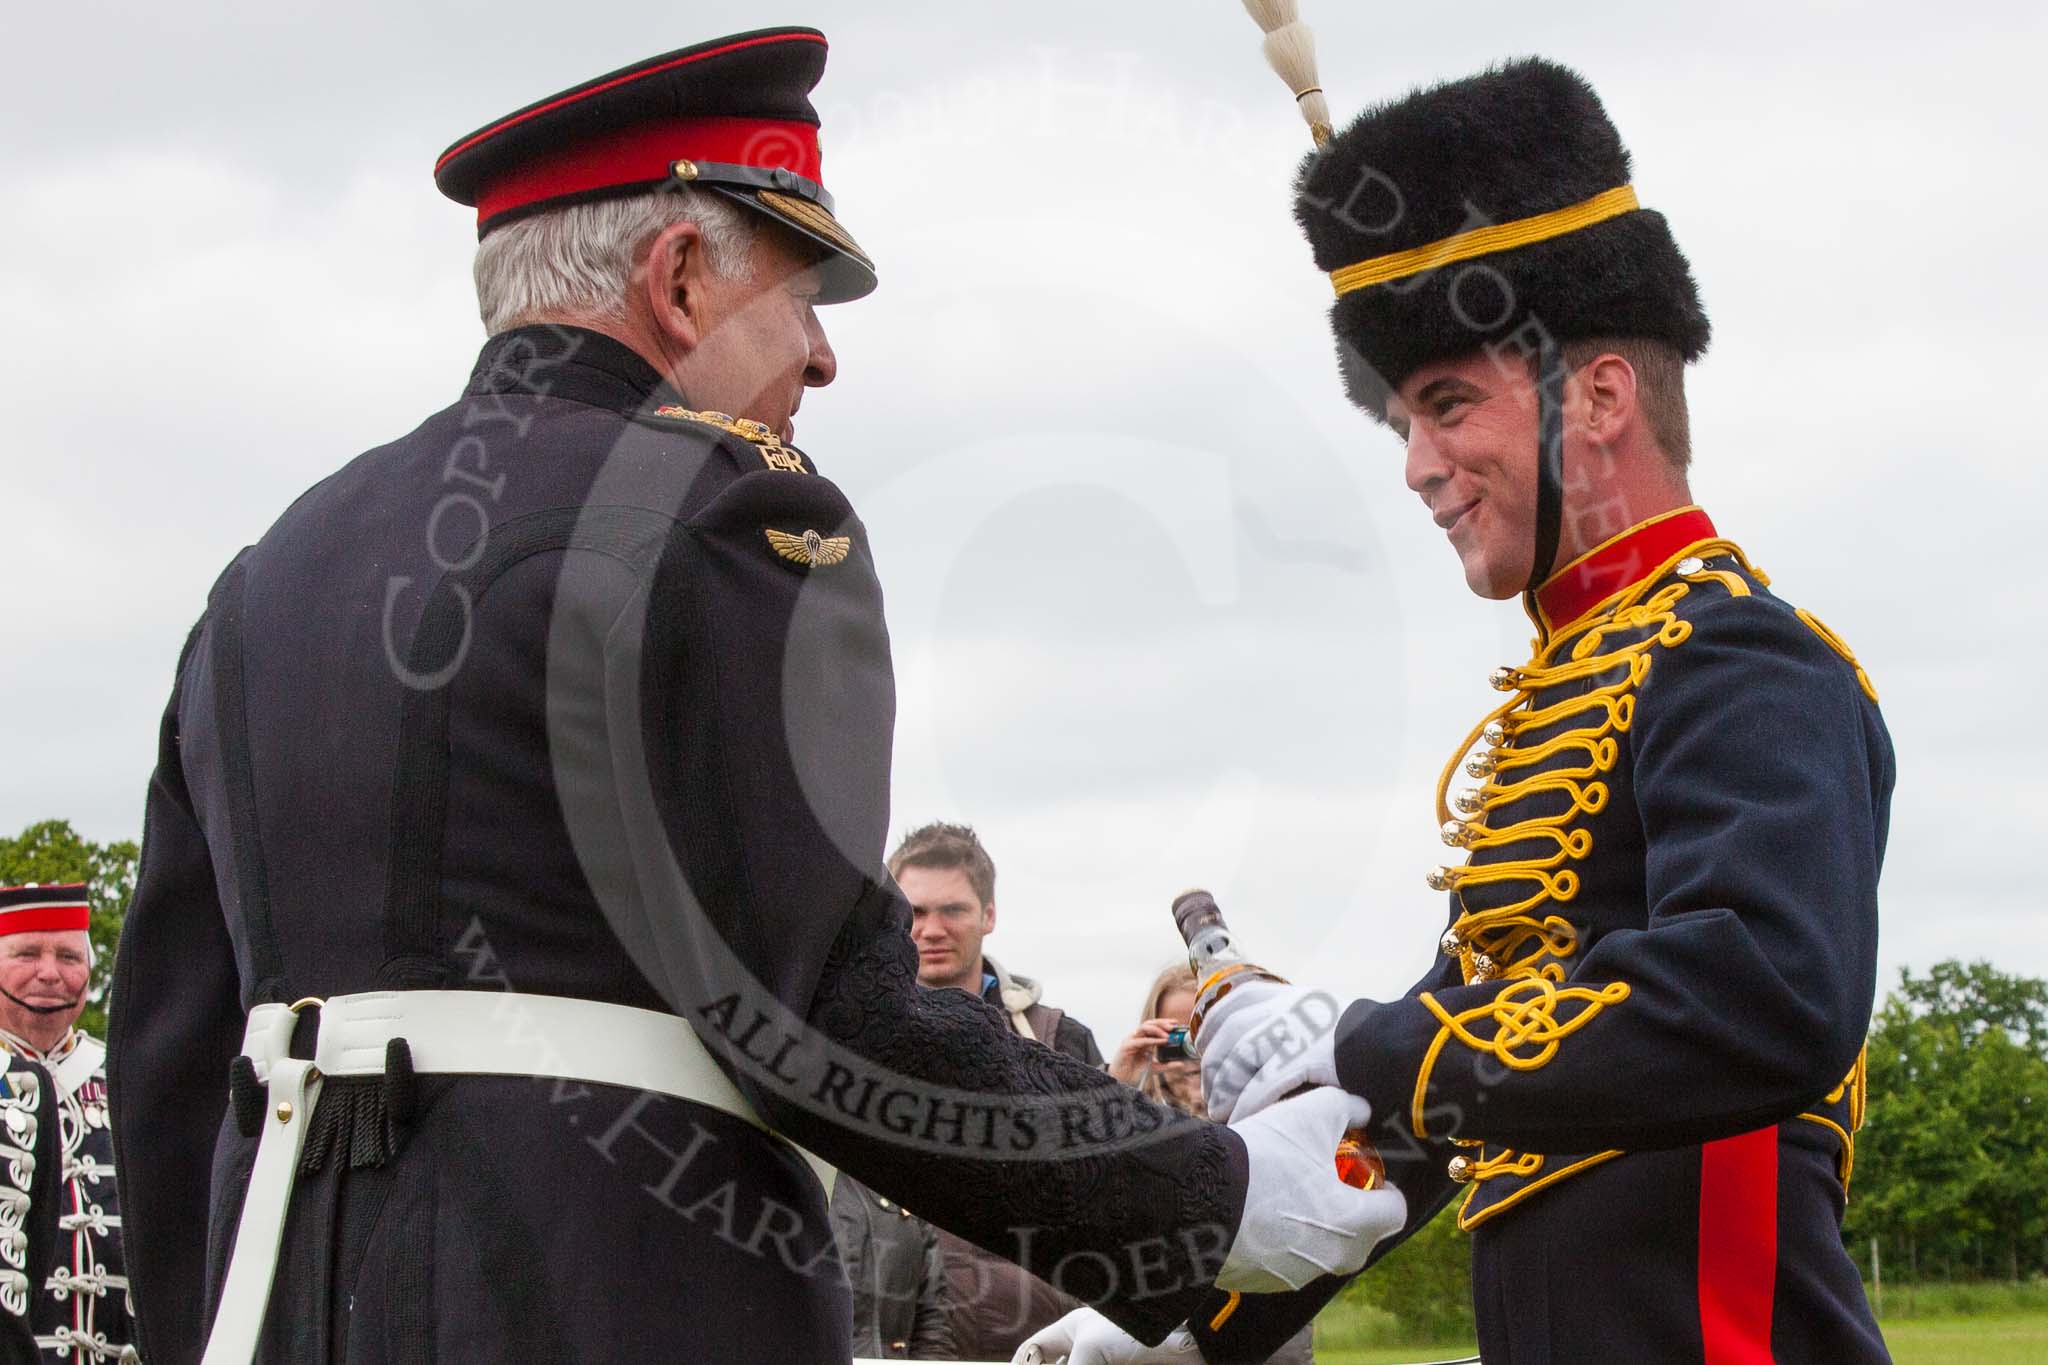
{"x": 29, "y": 909}
{"x": 732, "y": 116}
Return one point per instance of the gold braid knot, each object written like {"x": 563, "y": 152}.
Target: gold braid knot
{"x": 1527, "y": 1029}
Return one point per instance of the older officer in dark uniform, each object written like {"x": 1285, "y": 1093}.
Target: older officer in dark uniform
{"x": 531, "y": 762}
{"x": 1638, "y": 1056}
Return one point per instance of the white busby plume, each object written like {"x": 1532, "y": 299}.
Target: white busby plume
{"x": 1291, "y": 51}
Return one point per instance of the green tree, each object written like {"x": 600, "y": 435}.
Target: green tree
{"x": 1952, "y": 1166}
{"x": 52, "y": 851}
{"x": 1974, "y": 997}
{"x": 1426, "y": 1281}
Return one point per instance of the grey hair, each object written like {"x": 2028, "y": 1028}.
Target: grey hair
{"x": 575, "y": 264}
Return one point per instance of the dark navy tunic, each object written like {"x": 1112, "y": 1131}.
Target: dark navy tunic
{"x": 1638, "y": 1055}
{"x": 522, "y": 701}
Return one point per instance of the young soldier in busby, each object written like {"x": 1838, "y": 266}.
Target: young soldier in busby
{"x": 1637, "y": 1058}
{"x": 513, "y": 889}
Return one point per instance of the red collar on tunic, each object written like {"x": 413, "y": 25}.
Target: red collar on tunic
{"x": 1617, "y": 564}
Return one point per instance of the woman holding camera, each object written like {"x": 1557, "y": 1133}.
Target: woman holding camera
{"x": 1158, "y": 1058}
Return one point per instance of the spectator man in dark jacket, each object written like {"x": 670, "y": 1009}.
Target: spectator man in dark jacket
{"x": 953, "y": 908}
{"x": 950, "y": 881}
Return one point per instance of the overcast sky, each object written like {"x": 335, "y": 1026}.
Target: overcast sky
{"x": 1163, "y": 612}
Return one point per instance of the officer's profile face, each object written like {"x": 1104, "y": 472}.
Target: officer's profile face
{"x": 43, "y": 974}
{"x": 751, "y": 340}
{"x": 947, "y": 923}
{"x": 1470, "y": 425}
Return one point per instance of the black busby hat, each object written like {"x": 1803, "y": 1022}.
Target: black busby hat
{"x": 732, "y": 116}
{"x": 1486, "y": 211}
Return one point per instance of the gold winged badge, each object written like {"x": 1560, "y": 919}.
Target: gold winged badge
{"x": 810, "y": 549}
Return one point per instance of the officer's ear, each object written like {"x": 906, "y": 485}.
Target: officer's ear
{"x": 675, "y": 280}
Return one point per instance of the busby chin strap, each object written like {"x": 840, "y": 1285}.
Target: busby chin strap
{"x": 1550, "y": 372}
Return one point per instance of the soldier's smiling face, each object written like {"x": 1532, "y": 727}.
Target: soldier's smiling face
{"x": 1470, "y": 425}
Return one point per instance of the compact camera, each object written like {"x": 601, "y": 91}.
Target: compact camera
{"x": 1178, "y": 1047}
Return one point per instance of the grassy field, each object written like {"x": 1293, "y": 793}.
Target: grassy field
{"x": 1966, "y": 1324}
{"x": 1999, "y": 1339}
{"x": 1936, "y": 1324}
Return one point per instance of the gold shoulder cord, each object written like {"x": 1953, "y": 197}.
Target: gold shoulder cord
{"x": 1836, "y": 643}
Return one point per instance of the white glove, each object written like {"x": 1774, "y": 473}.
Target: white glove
{"x": 1300, "y": 1220}
{"x": 1085, "y": 1337}
{"x": 1263, "y": 1040}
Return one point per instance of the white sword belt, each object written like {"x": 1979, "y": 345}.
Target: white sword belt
{"x": 473, "y": 1033}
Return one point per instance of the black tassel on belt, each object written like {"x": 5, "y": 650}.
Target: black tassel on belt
{"x": 360, "y": 1121}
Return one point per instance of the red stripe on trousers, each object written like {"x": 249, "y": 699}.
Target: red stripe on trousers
{"x": 1738, "y": 1247}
